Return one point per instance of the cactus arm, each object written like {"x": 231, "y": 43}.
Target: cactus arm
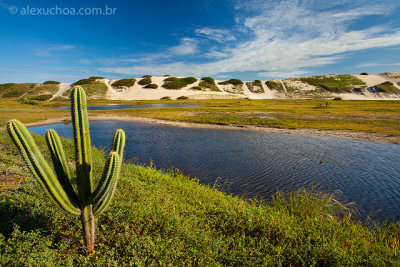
{"x": 118, "y": 143}
{"x": 104, "y": 192}
{"x": 39, "y": 167}
{"x": 60, "y": 164}
{"x": 83, "y": 154}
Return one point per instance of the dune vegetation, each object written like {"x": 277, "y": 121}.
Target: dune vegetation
{"x": 123, "y": 83}
{"x": 178, "y": 83}
{"x": 334, "y": 83}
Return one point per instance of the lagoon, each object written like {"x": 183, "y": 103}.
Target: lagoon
{"x": 252, "y": 163}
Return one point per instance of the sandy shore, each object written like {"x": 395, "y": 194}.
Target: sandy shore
{"x": 372, "y": 137}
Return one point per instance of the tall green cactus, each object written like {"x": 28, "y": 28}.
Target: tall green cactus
{"x": 85, "y": 202}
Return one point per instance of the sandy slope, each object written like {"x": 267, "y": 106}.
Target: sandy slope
{"x": 63, "y": 87}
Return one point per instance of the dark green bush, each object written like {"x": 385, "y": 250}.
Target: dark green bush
{"x": 51, "y": 82}
{"x": 363, "y": 73}
{"x": 337, "y": 98}
{"x": 182, "y": 98}
{"x": 41, "y": 97}
{"x": 387, "y": 88}
{"x": 275, "y": 85}
{"x": 178, "y": 83}
{"x": 196, "y": 88}
{"x": 13, "y": 93}
{"x": 166, "y": 98}
{"x": 147, "y": 76}
{"x": 124, "y": 83}
{"x": 145, "y": 81}
{"x": 231, "y": 81}
{"x": 88, "y": 80}
{"x": 208, "y": 79}
{"x": 151, "y": 86}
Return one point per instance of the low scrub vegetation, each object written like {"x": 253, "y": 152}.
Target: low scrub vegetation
{"x": 15, "y": 90}
{"x": 232, "y": 82}
{"x": 208, "y": 83}
{"x": 123, "y": 83}
{"x": 51, "y": 82}
{"x": 166, "y": 218}
{"x": 334, "y": 83}
{"x": 178, "y": 83}
{"x": 182, "y": 98}
{"x": 275, "y": 85}
{"x": 151, "y": 86}
{"x": 145, "y": 81}
{"x": 94, "y": 90}
{"x": 165, "y": 98}
{"x": 255, "y": 87}
{"x": 88, "y": 80}
{"x": 386, "y": 88}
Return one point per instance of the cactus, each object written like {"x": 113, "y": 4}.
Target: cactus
{"x": 85, "y": 202}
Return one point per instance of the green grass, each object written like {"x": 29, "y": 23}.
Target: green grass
{"x": 166, "y": 218}
{"x": 44, "y": 89}
{"x": 123, "y": 83}
{"x": 387, "y": 88}
{"x": 94, "y": 90}
{"x": 334, "y": 83}
{"x": 15, "y": 90}
{"x": 178, "y": 83}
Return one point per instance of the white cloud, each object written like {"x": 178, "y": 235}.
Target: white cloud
{"x": 282, "y": 74}
{"x": 218, "y": 35}
{"x": 186, "y": 47}
{"x": 277, "y": 37}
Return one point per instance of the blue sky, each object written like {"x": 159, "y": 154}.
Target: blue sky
{"x": 246, "y": 39}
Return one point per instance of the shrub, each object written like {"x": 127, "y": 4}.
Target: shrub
{"x": 363, "y": 73}
{"x": 275, "y": 85}
{"x": 255, "y": 87}
{"x": 145, "y": 81}
{"x": 41, "y": 97}
{"x": 334, "y": 83}
{"x": 151, "y": 86}
{"x": 208, "y": 79}
{"x": 178, "y": 83}
{"x": 13, "y": 93}
{"x": 51, "y": 82}
{"x": 387, "y": 88}
{"x": 124, "y": 83}
{"x": 231, "y": 81}
{"x": 147, "y": 76}
{"x": 28, "y": 101}
{"x": 337, "y": 98}
{"x": 166, "y": 98}
{"x": 88, "y": 80}
{"x": 167, "y": 75}
{"x": 196, "y": 88}
{"x": 182, "y": 98}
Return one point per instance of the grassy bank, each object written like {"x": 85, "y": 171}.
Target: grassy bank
{"x": 379, "y": 117}
{"x": 165, "y": 218}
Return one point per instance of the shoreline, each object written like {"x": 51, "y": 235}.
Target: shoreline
{"x": 360, "y": 136}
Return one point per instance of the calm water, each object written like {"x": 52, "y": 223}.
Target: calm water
{"x": 122, "y": 106}
{"x": 258, "y": 163}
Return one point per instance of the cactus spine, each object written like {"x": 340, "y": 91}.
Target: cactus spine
{"x": 86, "y": 202}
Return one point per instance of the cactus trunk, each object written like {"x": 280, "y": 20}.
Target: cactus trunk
{"x": 86, "y": 202}
{"x": 88, "y": 228}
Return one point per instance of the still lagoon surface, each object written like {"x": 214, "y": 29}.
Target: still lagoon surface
{"x": 253, "y": 163}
